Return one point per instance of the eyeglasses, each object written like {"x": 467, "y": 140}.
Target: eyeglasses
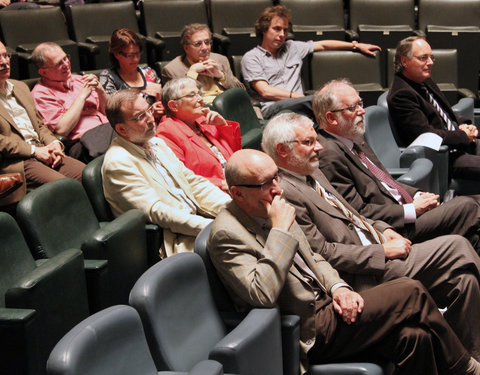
{"x": 5, "y": 56}
{"x": 198, "y": 43}
{"x": 352, "y": 108}
{"x": 306, "y": 142}
{"x": 191, "y": 95}
{"x": 141, "y": 116}
{"x": 60, "y": 63}
{"x": 424, "y": 58}
{"x": 263, "y": 186}
{"x": 130, "y": 55}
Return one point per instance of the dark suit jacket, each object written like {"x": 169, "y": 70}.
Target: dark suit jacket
{"x": 331, "y": 234}
{"x": 412, "y": 113}
{"x": 13, "y": 147}
{"x": 179, "y": 66}
{"x": 357, "y": 184}
{"x": 256, "y": 267}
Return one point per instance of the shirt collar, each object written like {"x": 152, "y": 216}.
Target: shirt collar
{"x": 347, "y": 142}
{"x": 9, "y": 90}
{"x": 293, "y": 174}
{"x": 58, "y": 85}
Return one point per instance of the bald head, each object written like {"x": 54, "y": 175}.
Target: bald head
{"x": 244, "y": 166}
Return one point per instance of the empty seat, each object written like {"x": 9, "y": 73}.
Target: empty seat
{"x": 317, "y": 19}
{"x": 39, "y": 301}
{"x": 23, "y": 30}
{"x": 94, "y": 23}
{"x": 363, "y": 71}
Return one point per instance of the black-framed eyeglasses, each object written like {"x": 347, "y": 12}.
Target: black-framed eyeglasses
{"x": 143, "y": 114}
{"x": 191, "y": 95}
{"x": 424, "y": 58}
{"x": 263, "y": 186}
{"x": 352, "y": 108}
{"x": 60, "y": 63}
{"x": 198, "y": 43}
{"x": 305, "y": 142}
{"x": 130, "y": 55}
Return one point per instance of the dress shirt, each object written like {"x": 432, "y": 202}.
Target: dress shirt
{"x": 53, "y": 99}
{"x": 409, "y": 209}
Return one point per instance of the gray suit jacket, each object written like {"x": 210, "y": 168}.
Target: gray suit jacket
{"x": 256, "y": 268}
{"x": 331, "y": 234}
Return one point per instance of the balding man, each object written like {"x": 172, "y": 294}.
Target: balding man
{"x": 264, "y": 260}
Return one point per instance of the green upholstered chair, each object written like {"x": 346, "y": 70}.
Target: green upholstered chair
{"x": 92, "y": 183}
{"x": 59, "y": 216}
{"x": 235, "y": 105}
{"x": 40, "y": 301}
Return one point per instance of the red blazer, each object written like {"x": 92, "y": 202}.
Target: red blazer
{"x": 193, "y": 152}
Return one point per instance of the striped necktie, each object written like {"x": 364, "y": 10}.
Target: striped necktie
{"x": 382, "y": 175}
{"x": 450, "y": 125}
{"x": 357, "y": 220}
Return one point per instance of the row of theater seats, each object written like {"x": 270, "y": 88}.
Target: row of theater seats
{"x": 59, "y": 266}
{"x": 85, "y": 34}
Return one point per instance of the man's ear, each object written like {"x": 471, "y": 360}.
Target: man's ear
{"x": 121, "y": 129}
{"x": 173, "y": 106}
{"x": 282, "y": 150}
{"x": 236, "y": 193}
{"x": 331, "y": 119}
{"x": 403, "y": 60}
{"x": 41, "y": 71}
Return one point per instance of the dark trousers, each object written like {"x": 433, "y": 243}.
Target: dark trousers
{"x": 399, "y": 322}
{"x": 37, "y": 173}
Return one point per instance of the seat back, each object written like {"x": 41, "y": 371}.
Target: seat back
{"x": 56, "y": 216}
{"x": 109, "y": 342}
{"x": 178, "y": 313}
{"x": 379, "y": 136}
{"x": 92, "y": 183}
{"x": 382, "y": 12}
{"x": 448, "y": 13}
{"x": 220, "y": 295}
{"x": 16, "y": 258}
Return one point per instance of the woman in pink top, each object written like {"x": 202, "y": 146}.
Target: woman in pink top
{"x": 202, "y": 139}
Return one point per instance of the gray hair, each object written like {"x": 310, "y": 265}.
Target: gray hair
{"x": 325, "y": 99}
{"x": 190, "y": 29}
{"x": 38, "y": 54}
{"x": 404, "y": 48}
{"x": 281, "y": 129}
{"x": 113, "y": 107}
{"x": 171, "y": 91}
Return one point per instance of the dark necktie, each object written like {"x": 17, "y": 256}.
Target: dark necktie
{"x": 382, "y": 175}
{"x": 449, "y": 124}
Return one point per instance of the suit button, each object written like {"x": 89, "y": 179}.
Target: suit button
{"x": 312, "y": 304}
{"x": 309, "y": 342}
{"x": 351, "y": 226}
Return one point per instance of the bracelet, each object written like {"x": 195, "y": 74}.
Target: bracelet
{"x": 291, "y": 93}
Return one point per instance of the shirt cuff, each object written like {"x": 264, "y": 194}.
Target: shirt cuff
{"x": 193, "y": 75}
{"x": 61, "y": 144}
{"x": 32, "y": 150}
{"x": 339, "y": 285}
{"x": 409, "y": 213}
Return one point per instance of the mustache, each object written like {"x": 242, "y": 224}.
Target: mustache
{"x": 4, "y": 66}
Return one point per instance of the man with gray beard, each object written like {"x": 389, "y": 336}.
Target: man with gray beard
{"x": 356, "y": 173}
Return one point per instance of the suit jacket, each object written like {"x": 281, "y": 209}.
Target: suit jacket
{"x": 413, "y": 114}
{"x": 256, "y": 267}
{"x": 331, "y": 234}
{"x": 194, "y": 153}
{"x": 179, "y": 66}
{"x": 131, "y": 181}
{"x": 357, "y": 184}
{"x": 13, "y": 147}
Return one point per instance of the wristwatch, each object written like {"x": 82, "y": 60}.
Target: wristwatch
{"x": 355, "y": 45}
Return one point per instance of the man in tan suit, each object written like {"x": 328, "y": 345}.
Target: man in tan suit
{"x": 26, "y": 144}
{"x": 212, "y": 70}
{"x": 368, "y": 252}
{"x": 140, "y": 171}
{"x": 264, "y": 259}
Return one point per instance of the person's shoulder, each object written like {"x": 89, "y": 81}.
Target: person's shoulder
{"x": 175, "y": 62}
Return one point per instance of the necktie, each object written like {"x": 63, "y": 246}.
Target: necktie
{"x": 450, "y": 125}
{"x": 382, "y": 175}
{"x": 357, "y": 220}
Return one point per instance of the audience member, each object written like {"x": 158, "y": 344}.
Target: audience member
{"x": 272, "y": 70}
{"x": 140, "y": 171}
{"x": 368, "y": 252}
{"x": 353, "y": 169}
{"x": 202, "y": 139}
{"x": 26, "y": 144}
{"x": 264, "y": 260}
{"x": 210, "y": 69}
{"x": 71, "y": 105}
{"x": 124, "y": 50}
{"x": 418, "y": 106}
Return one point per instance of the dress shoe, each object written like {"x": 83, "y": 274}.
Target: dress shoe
{"x": 9, "y": 182}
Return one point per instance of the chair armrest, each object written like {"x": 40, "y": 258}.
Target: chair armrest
{"x": 397, "y": 172}
{"x": 154, "y": 242}
{"x": 206, "y": 368}
{"x": 290, "y": 344}
{"x": 245, "y": 349}
{"x": 96, "y": 274}
{"x": 346, "y": 369}
{"x": 465, "y": 108}
{"x": 418, "y": 175}
{"x": 88, "y": 48}
{"x": 123, "y": 243}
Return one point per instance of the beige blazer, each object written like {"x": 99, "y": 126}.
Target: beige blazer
{"x": 131, "y": 181}
{"x": 256, "y": 268}
{"x": 13, "y": 147}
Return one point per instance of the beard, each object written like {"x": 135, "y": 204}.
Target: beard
{"x": 301, "y": 165}
{"x": 352, "y": 130}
